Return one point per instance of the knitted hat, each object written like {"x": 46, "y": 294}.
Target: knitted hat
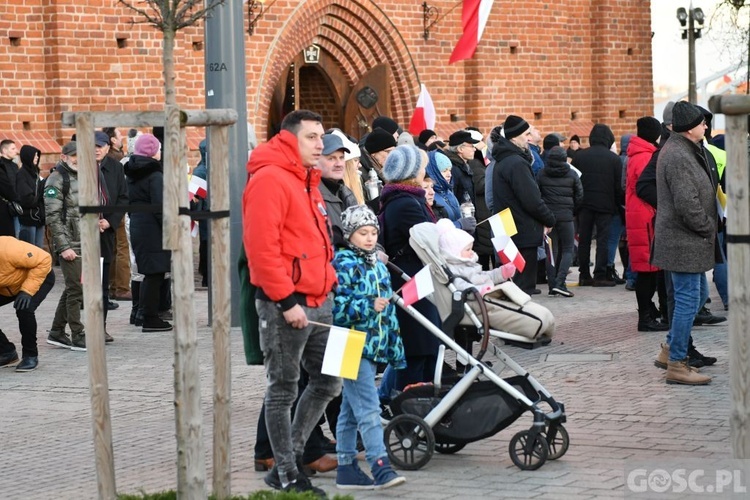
{"x": 146, "y": 145}
{"x": 405, "y": 138}
{"x": 685, "y": 116}
{"x": 443, "y": 162}
{"x": 426, "y": 135}
{"x": 667, "y": 115}
{"x": 452, "y": 240}
{"x": 575, "y": 137}
{"x": 550, "y": 141}
{"x": 402, "y": 163}
{"x": 379, "y": 140}
{"x": 649, "y": 129}
{"x": 355, "y": 217}
{"x": 386, "y": 124}
{"x": 514, "y": 126}
{"x": 69, "y": 149}
{"x": 557, "y": 154}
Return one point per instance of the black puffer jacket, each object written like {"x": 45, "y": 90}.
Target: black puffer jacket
{"x": 601, "y": 172}
{"x": 146, "y": 187}
{"x": 514, "y": 187}
{"x": 30, "y": 188}
{"x": 561, "y": 189}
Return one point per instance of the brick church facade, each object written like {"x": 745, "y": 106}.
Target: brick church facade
{"x": 561, "y": 65}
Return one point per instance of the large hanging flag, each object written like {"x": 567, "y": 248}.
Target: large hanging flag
{"x": 343, "y": 352}
{"x": 418, "y": 287}
{"x": 502, "y": 223}
{"x": 474, "y": 17}
{"x": 508, "y": 252}
{"x": 424, "y": 114}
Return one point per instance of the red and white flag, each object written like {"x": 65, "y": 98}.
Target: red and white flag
{"x": 508, "y": 252}
{"x": 418, "y": 287}
{"x": 197, "y": 187}
{"x": 424, "y": 114}
{"x": 193, "y": 228}
{"x": 474, "y": 17}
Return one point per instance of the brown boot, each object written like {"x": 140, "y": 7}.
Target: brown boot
{"x": 663, "y": 359}
{"x": 679, "y": 372}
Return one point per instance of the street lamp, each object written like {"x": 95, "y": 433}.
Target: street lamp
{"x": 691, "y": 21}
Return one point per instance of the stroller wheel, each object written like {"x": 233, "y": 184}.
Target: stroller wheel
{"x": 410, "y": 442}
{"x": 557, "y": 440}
{"x": 528, "y": 455}
{"x": 449, "y": 448}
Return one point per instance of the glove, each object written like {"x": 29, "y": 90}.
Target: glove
{"x": 508, "y": 270}
{"x": 468, "y": 224}
{"x": 23, "y": 301}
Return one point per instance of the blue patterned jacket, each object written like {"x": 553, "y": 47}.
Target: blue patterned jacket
{"x": 359, "y": 285}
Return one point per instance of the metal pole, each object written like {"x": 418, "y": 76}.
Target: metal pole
{"x": 225, "y": 88}
{"x": 692, "y": 94}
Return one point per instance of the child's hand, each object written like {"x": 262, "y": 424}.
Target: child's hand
{"x": 508, "y": 270}
{"x": 381, "y": 303}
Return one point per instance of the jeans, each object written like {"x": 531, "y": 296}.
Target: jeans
{"x": 615, "y": 232}
{"x": 32, "y": 234}
{"x": 563, "y": 236}
{"x": 387, "y": 384}
{"x": 587, "y": 219}
{"x": 27, "y": 320}
{"x": 360, "y": 408}
{"x": 720, "y": 272}
{"x": 284, "y": 348}
{"x": 69, "y": 307}
{"x": 690, "y": 292}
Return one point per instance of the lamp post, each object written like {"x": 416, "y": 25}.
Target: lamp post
{"x": 691, "y": 21}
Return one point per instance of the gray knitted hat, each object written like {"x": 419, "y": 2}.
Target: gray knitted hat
{"x": 355, "y": 217}
{"x": 402, "y": 163}
{"x": 685, "y": 116}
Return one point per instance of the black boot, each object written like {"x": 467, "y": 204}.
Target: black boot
{"x": 647, "y": 323}
{"x": 694, "y": 354}
{"x": 613, "y": 276}
{"x": 135, "y": 290}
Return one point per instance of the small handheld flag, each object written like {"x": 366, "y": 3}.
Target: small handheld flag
{"x": 418, "y": 287}
{"x": 343, "y": 352}
{"x": 198, "y": 187}
{"x": 502, "y": 223}
{"x": 508, "y": 252}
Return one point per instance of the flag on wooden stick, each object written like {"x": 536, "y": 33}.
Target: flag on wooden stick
{"x": 502, "y": 224}
{"x": 424, "y": 114}
{"x": 343, "y": 352}
{"x": 418, "y": 287}
{"x": 508, "y": 252}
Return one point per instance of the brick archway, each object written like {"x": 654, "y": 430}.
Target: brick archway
{"x": 357, "y": 34}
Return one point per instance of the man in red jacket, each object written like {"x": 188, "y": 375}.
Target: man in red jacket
{"x": 286, "y": 237}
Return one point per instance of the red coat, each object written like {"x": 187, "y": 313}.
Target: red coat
{"x": 285, "y": 229}
{"x": 639, "y": 215}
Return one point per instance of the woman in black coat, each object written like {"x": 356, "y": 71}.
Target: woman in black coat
{"x": 29, "y": 188}
{"x": 145, "y": 187}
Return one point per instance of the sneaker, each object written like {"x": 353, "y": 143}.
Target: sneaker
{"x": 351, "y": 477}
{"x": 108, "y": 338}
{"x": 78, "y": 343}
{"x": 302, "y": 485}
{"x": 386, "y": 415}
{"x": 156, "y": 325}
{"x": 272, "y": 478}
{"x": 8, "y": 358}
{"x": 384, "y": 475}
{"x": 28, "y": 364}
{"x": 166, "y": 315}
{"x": 562, "y": 290}
{"x": 111, "y": 306}
{"x": 59, "y": 339}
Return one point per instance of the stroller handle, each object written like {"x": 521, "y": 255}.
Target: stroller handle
{"x": 397, "y": 269}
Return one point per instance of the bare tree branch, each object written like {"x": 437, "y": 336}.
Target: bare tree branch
{"x": 152, "y": 12}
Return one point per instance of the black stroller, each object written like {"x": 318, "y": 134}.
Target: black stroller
{"x": 451, "y": 412}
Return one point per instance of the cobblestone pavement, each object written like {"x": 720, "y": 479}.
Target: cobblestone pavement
{"x": 618, "y": 411}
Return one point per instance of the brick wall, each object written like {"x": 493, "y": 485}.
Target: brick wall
{"x": 547, "y": 62}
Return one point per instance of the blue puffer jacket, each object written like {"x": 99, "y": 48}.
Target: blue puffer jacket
{"x": 359, "y": 285}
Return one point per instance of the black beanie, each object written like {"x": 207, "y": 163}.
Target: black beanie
{"x": 514, "y": 126}
{"x": 550, "y": 141}
{"x": 575, "y": 137}
{"x": 386, "y": 124}
{"x": 378, "y": 140}
{"x": 685, "y": 116}
{"x": 425, "y": 135}
{"x": 649, "y": 129}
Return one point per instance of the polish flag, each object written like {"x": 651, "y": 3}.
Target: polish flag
{"x": 198, "y": 187}
{"x": 343, "y": 352}
{"x": 508, "y": 252}
{"x": 474, "y": 17}
{"x": 424, "y": 114}
{"x": 419, "y": 287}
{"x": 193, "y": 228}
{"x": 502, "y": 223}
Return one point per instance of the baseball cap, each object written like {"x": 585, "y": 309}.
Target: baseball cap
{"x": 332, "y": 142}
{"x": 101, "y": 138}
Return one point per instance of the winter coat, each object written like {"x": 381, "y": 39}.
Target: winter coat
{"x": 404, "y": 206}
{"x": 117, "y": 194}
{"x": 337, "y": 198}
{"x": 359, "y": 284}
{"x": 601, "y": 173}
{"x": 62, "y": 216}
{"x": 443, "y": 189}
{"x": 30, "y": 188}
{"x": 461, "y": 180}
{"x": 285, "y": 230}
{"x": 146, "y": 187}
{"x": 8, "y": 172}
{"x": 23, "y": 267}
{"x": 470, "y": 274}
{"x": 561, "y": 190}
{"x": 537, "y": 164}
{"x": 514, "y": 187}
{"x": 201, "y": 204}
{"x": 639, "y": 215}
{"x": 483, "y": 233}
{"x": 686, "y": 220}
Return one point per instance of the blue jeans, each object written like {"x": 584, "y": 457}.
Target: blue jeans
{"x": 720, "y": 273}
{"x": 32, "y": 234}
{"x": 690, "y": 292}
{"x": 360, "y": 408}
{"x": 615, "y": 232}
{"x": 284, "y": 348}
{"x": 387, "y": 384}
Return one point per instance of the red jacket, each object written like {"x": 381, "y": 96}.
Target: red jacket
{"x": 639, "y": 215}
{"x": 285, "y": 229}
